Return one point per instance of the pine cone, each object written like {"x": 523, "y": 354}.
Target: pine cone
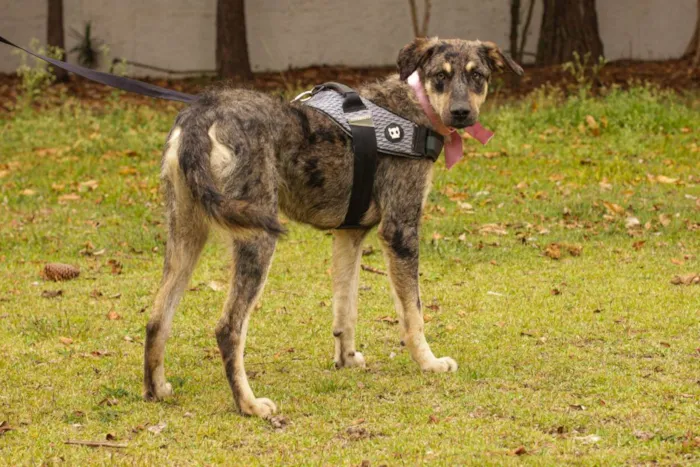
{"x": 60, "y": 272}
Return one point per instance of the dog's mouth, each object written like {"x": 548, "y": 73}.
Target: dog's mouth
{"x": 462, "y": 123}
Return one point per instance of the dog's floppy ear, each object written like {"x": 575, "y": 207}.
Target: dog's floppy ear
{"x": 413, "y": 55}
{"x": 497, "y": 60}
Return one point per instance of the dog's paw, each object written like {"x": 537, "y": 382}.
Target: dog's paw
{"x": 260, "y": 407}
{"x": 353, "y": 359}
{"x": 441, "y": 365}
{"x": 158, "y": 392}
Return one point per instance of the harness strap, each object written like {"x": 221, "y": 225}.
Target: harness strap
{"x": 364, "y": 145}
{"x": 119, "y": 82}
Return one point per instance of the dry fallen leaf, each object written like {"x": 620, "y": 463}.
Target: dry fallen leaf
{"x": 89, "y": 185}
{"x": 156, "y": 429}
{"x": 116, "y": 266}
{"x": 632, "y": 222}
{"x": 614, "y": 208}
{"x": 686, "y": 279}
{"x": 113, "y": 315}
{"x": 109, "y": 402}
{"x": 357, "y": 432}
{"x": 592, "y": 124}
{"x": 666, "y": 180}
{"x": 279, "y": 422}
{"x": 574, "y": 250}
{"x": 68, "y": 197}
{"x": 216, "y": 286}
{"x": 495, "y": 229}
{"x": 553, "y": 251}
{"x": 590, "y": 439}
{"x": 520, "y": 451}
{"x": 51, "y": 293}
{"x": 389, "y": 320}
{"x": 4, "y": 426}
{"x": 643, "y": 435}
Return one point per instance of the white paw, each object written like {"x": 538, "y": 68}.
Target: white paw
{"x": 440, "y": 365}
{"x": 260, "y": 407}
{"x": 356, "y": 359}
{"x": 159, "y": 392}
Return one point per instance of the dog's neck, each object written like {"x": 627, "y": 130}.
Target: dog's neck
{"x": 397, "y": 96}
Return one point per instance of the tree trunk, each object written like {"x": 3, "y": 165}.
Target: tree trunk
{"x": 231, "y": 43}
{"x": 568, "y": 26}
{"x": 693, "y": 49}
{"x": 54, "y": 34}
{"x": 514, "y": 23}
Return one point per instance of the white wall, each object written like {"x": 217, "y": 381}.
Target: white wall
{"x": 180, "y": 34}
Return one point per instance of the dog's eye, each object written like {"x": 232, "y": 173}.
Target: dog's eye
{"x": 441, "y": 76}
{"x": 477, "y": 75}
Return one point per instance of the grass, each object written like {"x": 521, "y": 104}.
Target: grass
{"x": 591, "y": 359}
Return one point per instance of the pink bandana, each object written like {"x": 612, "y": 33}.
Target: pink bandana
{"x": 453, "y": 140}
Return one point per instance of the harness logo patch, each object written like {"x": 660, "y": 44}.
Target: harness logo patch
{"x": 393, "y": 132}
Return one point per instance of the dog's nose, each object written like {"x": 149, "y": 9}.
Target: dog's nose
{"x": 460, "y": 113}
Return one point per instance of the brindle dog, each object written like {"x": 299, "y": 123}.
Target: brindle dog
{"x": 236, "y": 157}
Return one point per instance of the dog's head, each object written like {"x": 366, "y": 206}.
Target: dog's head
{"x": 455, "y": 74}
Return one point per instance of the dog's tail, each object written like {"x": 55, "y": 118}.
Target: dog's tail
{"x": 193, "y": 157}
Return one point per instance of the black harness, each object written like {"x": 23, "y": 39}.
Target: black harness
{"x": 365, "y": 122}
{"x": 374, "y": 130}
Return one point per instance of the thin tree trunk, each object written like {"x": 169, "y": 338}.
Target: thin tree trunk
{"x": 514, "y": 23}
{"x": 54, "y": 34}
{"x": 693, "y": 49}
{"x": 417, "y": 30}
{"x": 523, "y": 37}
{"x": 231, "y": 42}
{"x": 568, "y": 26}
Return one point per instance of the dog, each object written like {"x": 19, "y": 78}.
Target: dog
{"x": 235, "y": 158}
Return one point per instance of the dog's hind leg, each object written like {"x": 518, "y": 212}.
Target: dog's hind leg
{"x": 188, "y": 229}
{"x": 186, "y": 238}
{"x": 400, "y": 243}
{"x": 252, "y": 258}
{"x": 347, "y": 251}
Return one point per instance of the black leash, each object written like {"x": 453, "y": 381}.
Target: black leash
{"x": 119, "y": 82}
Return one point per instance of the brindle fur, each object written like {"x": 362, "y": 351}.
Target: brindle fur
{"x": 235, "y": 158}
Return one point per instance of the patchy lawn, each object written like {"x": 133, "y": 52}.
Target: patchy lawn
{"x": 547, "y": 266}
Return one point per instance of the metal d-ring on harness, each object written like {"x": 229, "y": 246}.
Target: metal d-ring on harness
{"x": 374, "y": 130}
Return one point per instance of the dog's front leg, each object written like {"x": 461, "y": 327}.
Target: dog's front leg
{"x": 400, "y": 243}
{"x": 347, "y": 250}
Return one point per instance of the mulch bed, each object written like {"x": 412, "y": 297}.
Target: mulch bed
{"x": 677, "y": 75}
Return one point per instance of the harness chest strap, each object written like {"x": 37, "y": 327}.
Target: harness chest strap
{"x": 364, "y": 147}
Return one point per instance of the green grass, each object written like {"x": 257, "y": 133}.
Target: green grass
{"x": 587, "y": 360}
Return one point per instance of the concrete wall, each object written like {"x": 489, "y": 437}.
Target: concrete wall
{"x": 180, "y": 34}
